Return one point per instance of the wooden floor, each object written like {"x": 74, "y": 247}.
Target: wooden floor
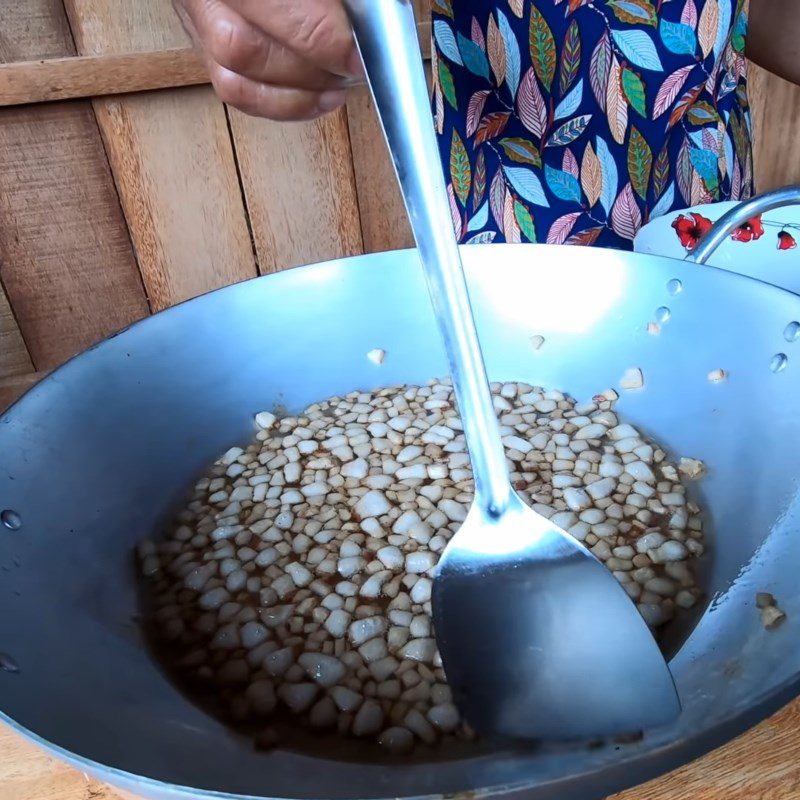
{"x": 761, "y": 765}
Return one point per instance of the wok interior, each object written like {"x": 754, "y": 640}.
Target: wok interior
{"x": 97, "y": 456}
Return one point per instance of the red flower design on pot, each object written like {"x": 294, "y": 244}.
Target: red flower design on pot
{"x": 750, "y": 231}
{"x": 690, "y": 228}
{"x": 786, "y": 241}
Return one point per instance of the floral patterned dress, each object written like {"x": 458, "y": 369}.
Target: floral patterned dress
{"x": 579, "y": 120}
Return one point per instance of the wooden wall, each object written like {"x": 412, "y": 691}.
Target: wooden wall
{"x": 132, "y": 188}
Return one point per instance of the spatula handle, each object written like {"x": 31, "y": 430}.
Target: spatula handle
{"x": 386, "y": 35}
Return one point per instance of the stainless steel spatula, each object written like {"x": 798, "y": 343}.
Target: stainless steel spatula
{"x": 537, "y": 638}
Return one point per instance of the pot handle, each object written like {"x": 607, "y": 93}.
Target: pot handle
{"x": 727, "y": 224}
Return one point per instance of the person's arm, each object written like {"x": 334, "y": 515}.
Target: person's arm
{"x": 773, "y": 38}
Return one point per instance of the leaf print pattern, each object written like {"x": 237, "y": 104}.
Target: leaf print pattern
{"x": 460, "y": 169}
{"x": 591, "y": 176}
{"x": 510, "y": 224}
{"x": 569, "y": 131}
{"x": 689, "y": 14}
{"x": 634, "y": 12}
{"x": 480, "y": 181}
{"x": 661, "y": 172}
{"x": 497, "y": 199}
{"x": 707, "y": 27}
{"x": 571, "y": 103}
{"x": 640, "y": 162}
{"x": 530, "y": 105}
{"x": 610, "y": 175}
{"x": 562, "y": 228}
{"x": 543, "y": 48}
{"x": 447, "y": 84}
{"x": 491, "y": 125}
{"x": 526, "y": 184}
{"x": 446, "y": 41}
{"x": 512, "y": 54}
{"x": 518, "y": 7}
{"x": 575, "y": 121}
{"x": 570, "y": 57}
{"x": 525, "y": 221}
{"x": 678, "y": 38}
{"x": 616, "y": 106}
{"x": 457, "y": 222}
{"x": 634, "y": 91}
{"x": 496, "y": 49}
{"x": 522, "y": 151}
{"x": 443, "y": 7}
{"x": 638, "y": 48}
{"x": 475, "y": 109}
{"x": 626, "y": 219}
{"x": 473, "y": 57}
{"x": 669, "y": 90}
{"x": 683, "y": 105}
{"x": 600, "y": 68}
{"x": 562, "y": 184}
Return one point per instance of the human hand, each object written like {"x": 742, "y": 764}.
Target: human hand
{"x": 281, "y": 59}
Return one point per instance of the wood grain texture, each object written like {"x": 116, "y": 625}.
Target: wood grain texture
{"x": 33, "y": 29}
{"x": 776, "y": 115}
{"x": 27, "y": 773}
{"x": 48, "y": 38}
{"x": 384, "y": 224}
{"x": 761, "y": 765}
{"x": 65, "y": 256}
{"x": 11, "y": 389}
{"x": 171, "y": 155}
{"x": 14, "y": 356}
{"x": 76, "y": 77}
{"x": 300, "y": 189}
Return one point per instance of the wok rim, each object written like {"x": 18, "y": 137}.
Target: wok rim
{"x": 604, "y": 779}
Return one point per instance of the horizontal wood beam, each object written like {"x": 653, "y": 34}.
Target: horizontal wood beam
{"x": 78, "y": 77}
{"x": 75, "y": 77}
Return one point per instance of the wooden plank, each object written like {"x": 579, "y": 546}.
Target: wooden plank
{"x": 74, "y": 77}
{"x": 384, "y": 223}
{"x": 27, "y": 773}
{"x": 776, "y": 112}
{"x": 300, "y": 189}
{"x": 761, "y": 765}
{"x": 65, "y": 256}
{"x": 34, "y": 29}
{"x": 172, "y": 159}
{"x": 14, "y": 356}
{"x": 11, "y": 389}
{"x": 23, "y": 82}
{"x": 422, "y": 8}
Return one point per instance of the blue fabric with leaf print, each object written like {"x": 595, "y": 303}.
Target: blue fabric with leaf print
{"x": 579, "y": 120}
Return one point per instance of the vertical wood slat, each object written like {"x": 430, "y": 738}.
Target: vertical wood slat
{"x": 300, "y": 189}
{"x": 65, "y": 257}
{"x": 383, "y": 217}
{"x": 14, "y": 356}
{"x": 172, "y": 158}
{"x": 384, "y": 222}
{"x": 11, "y": 389}
{"x": 776, "y": 115}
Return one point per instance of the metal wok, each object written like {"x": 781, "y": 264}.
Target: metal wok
{"x": 96, "y": 456}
